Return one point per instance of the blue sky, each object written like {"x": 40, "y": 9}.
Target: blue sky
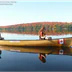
{"x": 35, "y": 11}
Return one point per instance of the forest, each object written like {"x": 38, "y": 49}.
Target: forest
{"x": 52, "y": 28}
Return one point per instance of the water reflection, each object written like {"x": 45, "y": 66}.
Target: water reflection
{"x": 42, "y": 52}
{"x": 0, "y": 53}
{"x": 42, "y": 57}
{"x": 13, "y": 36}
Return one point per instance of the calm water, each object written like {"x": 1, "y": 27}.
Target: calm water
{"x": 29, "y": 61}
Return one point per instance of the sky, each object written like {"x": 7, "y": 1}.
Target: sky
{"x": 35, "y": 11}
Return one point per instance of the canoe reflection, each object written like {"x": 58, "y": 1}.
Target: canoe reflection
{"x": 41, "y": 51}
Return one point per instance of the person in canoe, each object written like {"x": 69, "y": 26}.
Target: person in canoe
{"x": 42, "y": 33}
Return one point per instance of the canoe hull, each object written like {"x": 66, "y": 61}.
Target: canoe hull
{"x": 68, "y": 42}
{"x": 28, "y": 43}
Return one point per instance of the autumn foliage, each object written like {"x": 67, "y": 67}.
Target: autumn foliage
{"x": 52, "y": 28}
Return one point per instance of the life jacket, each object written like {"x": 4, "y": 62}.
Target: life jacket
{"x": 41, "y": 34}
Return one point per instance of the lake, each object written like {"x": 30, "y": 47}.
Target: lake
{"x": 27, "y": 59}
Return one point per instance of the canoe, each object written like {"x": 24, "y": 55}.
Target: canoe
{"x": 24, "y": 43}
